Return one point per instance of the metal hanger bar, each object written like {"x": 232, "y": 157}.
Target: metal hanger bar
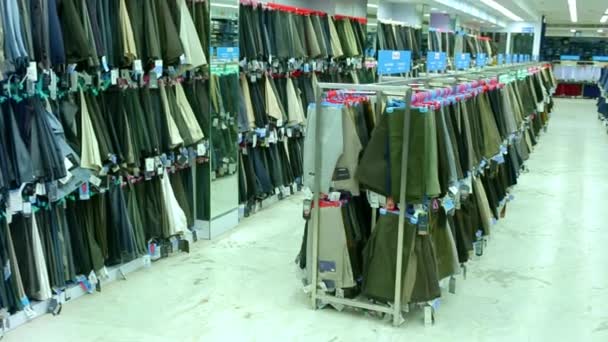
{"x": 355, "y": 303}
{"x": 362, "y": 87}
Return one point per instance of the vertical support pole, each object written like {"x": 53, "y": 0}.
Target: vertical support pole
{"x": 402, "y": 207}
{"x": 378, "y": 109}
{"x": 316, "y": 194}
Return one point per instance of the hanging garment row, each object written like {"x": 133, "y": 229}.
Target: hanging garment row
{"x": 269, "y": 33}
{"x": 391, "y": 36}
{"x": 274, "y": 110}
{"x": 465, "y": 153}
{"x": 108, "y": 34}
{"x": 119, "y": 150}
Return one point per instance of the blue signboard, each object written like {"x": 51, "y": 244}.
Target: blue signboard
{"x": 228, "y": 54}
{"x": 462, "y": 61}
{"x": 521, "y": 58}
{"x": 481, "y": 60}
{"x": 394, "y": 62}
{"x": 600, "y": 58}
{"x": 508, "y": 58}
{"x": 435, "y": 61}
{"x": 569, "y": 58}
{"x": 527, "y": 29}
{"x": 501, "y": 59}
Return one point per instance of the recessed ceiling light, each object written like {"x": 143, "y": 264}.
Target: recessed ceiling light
{"x": 572, "y": 30}
{"x": 572, "y": 8}
{"x": 500, "y": 8}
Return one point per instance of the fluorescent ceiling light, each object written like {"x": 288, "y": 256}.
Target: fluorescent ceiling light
{"x": 600, "y": 31}
{"x": 372, "y": 5}
{"x": 426, "y": 15}
{"x": 502, "y": 10}
{"x": 459, "y": 6}
{"x": 224, "y": 5}
{"x": 434, "y": 8}
{"x": 572, "y": 30}
{"x": 604, "y": 19}
{"x": 572, "y": 8}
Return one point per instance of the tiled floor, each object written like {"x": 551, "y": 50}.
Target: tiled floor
{"x": 543, "y": 277}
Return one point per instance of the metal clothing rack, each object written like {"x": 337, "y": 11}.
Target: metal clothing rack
{"x": 395, "y": 311}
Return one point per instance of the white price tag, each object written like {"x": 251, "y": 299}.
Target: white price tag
{"x": 32, "y": 72}
{"x": 40, "y": 189}
{"x": 334, "y": 196}
{"x": 114, "y": 76}
{"x": 373, "y": 199}
{"x": 104, "y": 63}
{"x": 150, "y": 164}
{"x": 158, "y": 67}
{"x": 68, "y": 164}
{"x": 201, "y": 150}
{"x": 15, "y": 201}
{"x": 138, "y": 66}
{"x": 95, "y": 180}
{"x": 27, "y": 208}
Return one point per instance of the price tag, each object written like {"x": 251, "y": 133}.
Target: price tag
{"x": 373, "y": 200}
{"x": 114, "y": 76}
{"x": 27, "y": 208}
{"x": 104, "y": 63}
{"x": 40, "y": 189}
{"x": 84, "y": 191}
{"x": 158, "y": 68}
{"x": 448, "y": 204}
{"x": 201, "y": 149}
{"x": 95, "y": 180}
{"x": 32, "y": 72}
{"x": 334, "y": 196}
{"x": 138, "y": 66}
{"x": 150, "y": 164}
{"x": 15, "y": 201}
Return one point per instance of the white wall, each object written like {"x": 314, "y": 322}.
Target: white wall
{"x": 406, "y": 13}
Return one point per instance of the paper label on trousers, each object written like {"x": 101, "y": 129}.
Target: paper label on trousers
{"x": 15, "y": 201}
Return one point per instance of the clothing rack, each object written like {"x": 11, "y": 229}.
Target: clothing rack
{"x": 395, "y": 311}
{"x": 487, "y": 79}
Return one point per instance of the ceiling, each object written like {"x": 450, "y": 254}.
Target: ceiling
{"x": 556, "y": 11}
{"x": 589, "y": 11}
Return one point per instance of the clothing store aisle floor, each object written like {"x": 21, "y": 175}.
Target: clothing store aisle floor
{"x": 543, "y": 275}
